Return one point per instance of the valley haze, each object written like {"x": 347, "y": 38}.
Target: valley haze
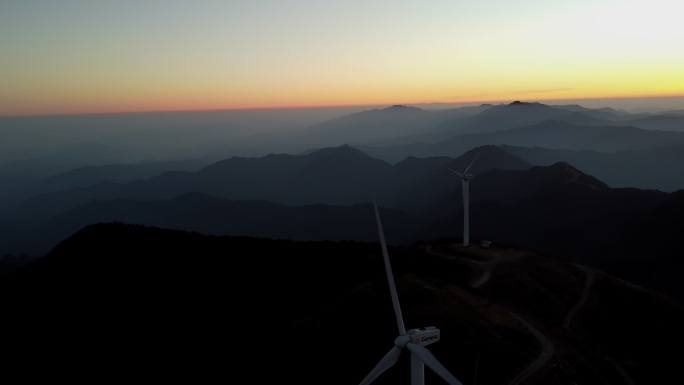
{"x": 579, "y": 209}
{"x": 61, "y": 173}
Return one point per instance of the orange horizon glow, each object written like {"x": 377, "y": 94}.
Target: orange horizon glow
{"x": 63, "y": 58}
{"x": 123, "y": 108}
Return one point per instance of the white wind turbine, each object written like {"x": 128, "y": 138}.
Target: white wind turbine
{"x": 414, "y": 340}
{"x": 465, "y": 177}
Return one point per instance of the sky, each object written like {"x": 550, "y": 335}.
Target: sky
{"x": 87, "y": 56}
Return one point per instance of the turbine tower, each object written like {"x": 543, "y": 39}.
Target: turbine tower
{"x": 414, "y": 340}
{"x": 465, "y": 177}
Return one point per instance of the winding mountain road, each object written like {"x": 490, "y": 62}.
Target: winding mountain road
{"x": 486, "y": 265}
{"x": 590, "y": 274}
{"x": 548, "y": 348}
{"x": 547, "y": 351}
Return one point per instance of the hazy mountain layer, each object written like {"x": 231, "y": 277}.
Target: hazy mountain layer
{"x": 557, "y": 210}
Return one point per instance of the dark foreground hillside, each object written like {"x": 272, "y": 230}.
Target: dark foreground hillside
{"x": 118, "y": 301}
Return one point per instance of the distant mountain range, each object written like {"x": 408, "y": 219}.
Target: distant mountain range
{"x": 341, "y": 176}
{"x": 549, "y": 178}
{"x": 40, "y": 147}
{"x": 402, "y": 125}
{"x": 167, "y": 243}
{"x": 646, "y": 169}
{"x": 549, "y": 134}
{"x": 555, "y": 209}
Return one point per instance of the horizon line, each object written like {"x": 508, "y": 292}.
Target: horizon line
{"x": 302, "y": 107}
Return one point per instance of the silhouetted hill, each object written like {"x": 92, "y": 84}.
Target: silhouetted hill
{"x": 488, "y": 157}
{"x": 605, "y": 113}
{"x": 416, "y": 183}
{"x": 341, "y": 176}
{"x": 546, "y": 191}
{"x": 647, "y": 248}
{"x": 646, "y": 169}
{"x": 331, "y": 176}
{"x": 400, "y": 124}
{"x": 552, "y": 134}
{"x": 172, "y": 295}
{"x": 516, "y": 114}
{"x": 10, "y": 263}
{"x": 560, "y": 211}
{"x": 27, "y": 169}
{"x": 660, "y": 122}
{"x": 381, "y": 126}
{"x": 217, "y": 216}
{"x": 13, "y": 193}
{"x": 117, "y": 173}
{"x": 557, "y": 209}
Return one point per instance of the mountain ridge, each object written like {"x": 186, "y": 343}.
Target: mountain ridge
{"x": 167, "y": 296}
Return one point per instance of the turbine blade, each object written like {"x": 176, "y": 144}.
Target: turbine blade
{"x": 385, "y": 363}
{"x": 456, "y": 172}
{"x": 473, "y": 161}
{"x": 428, "y": 359}
{"x": 388, "y": 270}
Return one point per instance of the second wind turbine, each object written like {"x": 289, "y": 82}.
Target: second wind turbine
{"x": 465, "y": 177}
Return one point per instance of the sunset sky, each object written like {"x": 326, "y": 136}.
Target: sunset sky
{"x": 79, "y": 56}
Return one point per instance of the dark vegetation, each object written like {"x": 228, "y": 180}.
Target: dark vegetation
{"x": 116, "y": 300}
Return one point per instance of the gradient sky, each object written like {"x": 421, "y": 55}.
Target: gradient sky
{"x": 72, "y": 56}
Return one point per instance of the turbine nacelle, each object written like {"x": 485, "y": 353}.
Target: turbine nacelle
{"x": 419, "y": 336}
{"x": 464, "y": 175}
{"x": 424, "y": 336}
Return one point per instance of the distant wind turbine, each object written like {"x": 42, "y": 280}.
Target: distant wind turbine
{"x": 414, "y": 340}
{"x": 465, "y": 177}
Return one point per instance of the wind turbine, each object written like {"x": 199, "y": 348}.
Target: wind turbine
{"x": 465, "y": 177}
{"x": 414, "y": 340}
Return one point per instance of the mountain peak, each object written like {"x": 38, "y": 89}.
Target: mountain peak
{"x": 519, "y": 103}
{"x": 489, "y": 157}
{"x": 571, "y": 174}
{"x": 341, "y": 153}
{"x": 402, "y": 108}
{"x": 345, "y": 148}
